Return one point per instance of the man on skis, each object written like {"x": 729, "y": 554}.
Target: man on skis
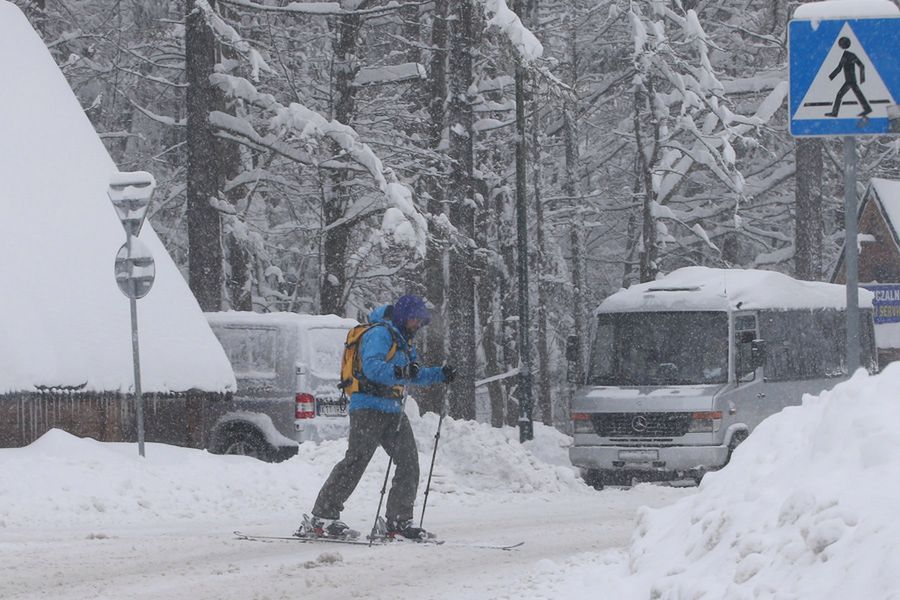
{"x": 387, "y": 361}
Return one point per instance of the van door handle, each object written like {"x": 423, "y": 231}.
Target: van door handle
{"x": 761, "y": 395}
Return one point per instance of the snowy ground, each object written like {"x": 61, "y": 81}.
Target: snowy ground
{"x": 806, "y": 509}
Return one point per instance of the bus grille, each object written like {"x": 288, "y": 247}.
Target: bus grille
{"x": 655, "y": 424}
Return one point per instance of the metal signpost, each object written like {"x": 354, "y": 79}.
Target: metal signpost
{"x": 845, "y": 81}
{"x": 135, "y": 269}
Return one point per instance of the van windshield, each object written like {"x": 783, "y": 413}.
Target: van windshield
{"x": 660, "y": 348}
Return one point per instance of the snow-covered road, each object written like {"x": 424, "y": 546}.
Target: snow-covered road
{"x": 198, "y": 563}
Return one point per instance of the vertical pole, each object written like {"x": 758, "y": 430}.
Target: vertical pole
{"x": 851, "y": 258}
{"x": 139, "y": 399}
{"x": 526, "y": 426}
{"x": 136, "y": 359}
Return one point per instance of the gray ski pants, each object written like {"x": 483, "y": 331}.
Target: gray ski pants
{"x": 368, "y": 430}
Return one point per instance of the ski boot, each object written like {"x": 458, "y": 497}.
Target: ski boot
{"x": 404, "y": 528}
{"x": 314, "y": 527}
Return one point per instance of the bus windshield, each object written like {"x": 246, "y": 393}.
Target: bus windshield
{"x": 660, "y": 348}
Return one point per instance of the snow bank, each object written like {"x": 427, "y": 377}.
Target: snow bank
{"x": 65, "y": 322}
{"x": 61, "y": 481}
{"x": 474, "y": 458}
{"x": 805, "y": 509}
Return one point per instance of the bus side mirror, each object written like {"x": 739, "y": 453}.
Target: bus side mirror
{"x": 573, "y": 344}
{"x": 758, "y": 353}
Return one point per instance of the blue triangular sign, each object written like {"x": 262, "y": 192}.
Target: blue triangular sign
{"x": 845, "y": 77}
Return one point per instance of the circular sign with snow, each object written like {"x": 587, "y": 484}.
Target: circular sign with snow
{"x": 135, "y": 269}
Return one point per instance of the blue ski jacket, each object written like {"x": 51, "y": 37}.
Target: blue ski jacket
{"x": 373, "y": 349}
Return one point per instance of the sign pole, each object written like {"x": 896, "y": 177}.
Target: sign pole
{"x": 136, "y": 360}
{"x": 139, "y": 399}
{"x": 134, "y": 268}
{"x": 851, "y": 254}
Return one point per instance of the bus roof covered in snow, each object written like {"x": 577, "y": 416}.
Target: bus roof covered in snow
{"x": 704, "y": 288}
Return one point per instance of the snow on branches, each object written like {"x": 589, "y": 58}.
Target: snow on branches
{"x": 684, "y": 112}
{"x": 401, "y": 222}
{"x": 498, "y": 14}
{"x": 227, "y": 35}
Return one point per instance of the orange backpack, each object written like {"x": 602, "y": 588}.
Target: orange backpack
{"x": 352, "y": 378}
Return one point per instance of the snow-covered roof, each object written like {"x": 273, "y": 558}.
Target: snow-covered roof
{"x": 836, "y": 9}
{"x": 703, "y": 288}
{"x": 887, "y": 194}
{"x": 300, "y": 321}
{"x": 65, "y": 322}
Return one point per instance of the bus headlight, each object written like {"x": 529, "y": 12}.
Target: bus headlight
{"x": 705, "y": 422}
{"x": 581, "y": 423}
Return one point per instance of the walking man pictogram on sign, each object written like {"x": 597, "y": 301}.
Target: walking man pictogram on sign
{"x": 848, "y": 64}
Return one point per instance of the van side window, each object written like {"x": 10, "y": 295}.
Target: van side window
{"x": 744, "y": 334}
{"x": 251, "y": 350}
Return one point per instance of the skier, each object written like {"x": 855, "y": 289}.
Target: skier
{"x": 388, "y": 363}
{"x": 849, "y": 62}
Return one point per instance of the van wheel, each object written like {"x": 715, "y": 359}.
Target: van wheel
{"x": 599, "y": 478}
{"x": 593, "y": 478}
{"x": 246, "y": 442}
{"x": 736, "y": 439}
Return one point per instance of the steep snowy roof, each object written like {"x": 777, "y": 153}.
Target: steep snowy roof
{"x": 65, "y": 322}
{"x": 887, "y": 194}
{"x": 703, "y": 288}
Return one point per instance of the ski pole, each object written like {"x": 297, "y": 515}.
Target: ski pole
{"x": 387, "y": 473}
{"x": 380, "y": 501}
{"x": 437, "y": 437}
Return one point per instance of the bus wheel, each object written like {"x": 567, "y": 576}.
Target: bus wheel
{"x": 593, "y": 478}
{"x": 736, "y": 439}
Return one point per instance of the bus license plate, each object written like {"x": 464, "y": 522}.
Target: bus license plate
{"x": 638, "y": 455}
{"x": 333, "y": 408}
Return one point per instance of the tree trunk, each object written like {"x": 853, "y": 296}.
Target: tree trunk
{"x": 432, "y": 398}
{"x": 808, "y": 222}
{"x": 545, "y": 372}
{"x": 570, "y": 189}
{"x": 649, "y": 248}
{"x": 461, "y": 304}
{"x": 337, "y": 194}
{"x": 204, "y": 172}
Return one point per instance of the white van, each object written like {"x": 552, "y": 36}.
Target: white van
{"x": 287, "y": 367}
{"x": 682, "y": 369}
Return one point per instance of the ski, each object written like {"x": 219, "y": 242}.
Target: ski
{"x": 376, "y": 542}
{"x": 310, "y": 540}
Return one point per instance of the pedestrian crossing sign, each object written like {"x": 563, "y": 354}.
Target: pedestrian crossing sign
{"x": 844, "y": 77}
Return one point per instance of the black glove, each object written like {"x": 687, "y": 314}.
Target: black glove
{"x": 409, "y": 371}
{"x": 449, "y": 373}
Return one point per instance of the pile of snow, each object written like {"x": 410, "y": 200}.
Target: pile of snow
{"x": 67, "y": 323}
{"x": 61, "y": 481}
{"x": 805, "y": 509}
{"x": 474, "y": 458}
